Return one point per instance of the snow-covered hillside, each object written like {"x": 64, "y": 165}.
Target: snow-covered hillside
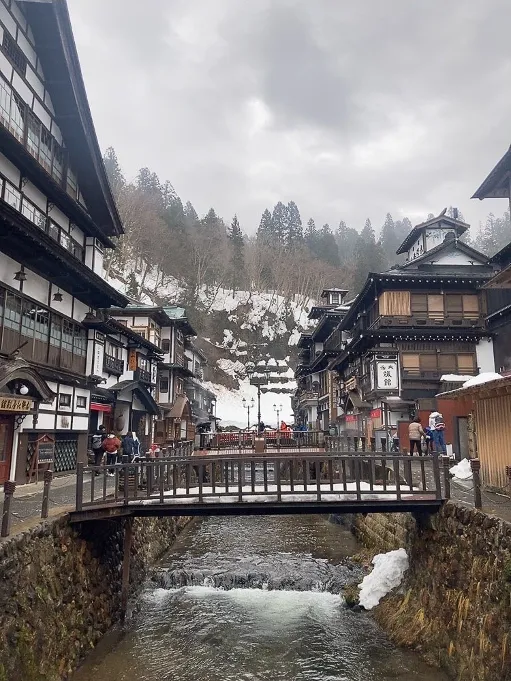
{"x": 234, "y": 329}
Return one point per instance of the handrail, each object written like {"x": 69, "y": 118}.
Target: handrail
{"x": 293, "y": 477}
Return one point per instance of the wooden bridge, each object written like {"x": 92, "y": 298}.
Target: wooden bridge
{"x": 280, "y": 483}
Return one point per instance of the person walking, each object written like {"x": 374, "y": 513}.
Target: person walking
{"x": 96, "y": 444}
{"x": 438, "y": 434}
{"x": 111, "y": 446}
{"x": 415, "y": 434}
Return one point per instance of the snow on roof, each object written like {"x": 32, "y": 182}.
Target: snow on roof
{"x": 453, "y": 378}
{"x": 482, "y": 378}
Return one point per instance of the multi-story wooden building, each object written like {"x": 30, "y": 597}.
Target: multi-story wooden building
{"x": 57, "y": 216}
{"x": 411, "y": 326}
{"x": 179, "y": 369}
{"x": 123, "y": 363}
{"x": 314, "y": 402}
{"x": 497, "y": 185}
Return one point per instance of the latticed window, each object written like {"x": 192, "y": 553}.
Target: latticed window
{"x": 45, "y": 149}
{"x": 14, "y": 53}
{"x": 33, "y": 134}
{"x": 12, "y": 196}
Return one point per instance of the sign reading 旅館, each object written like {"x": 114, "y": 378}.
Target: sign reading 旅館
{"x": 17, "y": 404}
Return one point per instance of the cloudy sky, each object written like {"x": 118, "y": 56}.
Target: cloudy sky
{"x": 351, "y": 109}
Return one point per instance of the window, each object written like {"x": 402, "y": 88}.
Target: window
{"x": 5, "y": 102}
{"x": 67, "y": 335}
{"x": 143, "y": 363}
{"x": 179, "y": 336}
{"x": 15, "y": 54}
{"x": 71, "y": 184}
{"x": 113, "y": 350}
{"x": 470, "y": 305}
{"x": 12, "y": 196}
{"x": 28, "y": 319}
{"x": 447, "y": 363}
{"x": 79, "y": 341}
{"x": 435, "y": 306}
{"x": 81, "y": 402}
{"x": 411, "y": 362}
{"x": 453, "y": 304}
{"x": 428, "y": 362}
{"x": 58, "y": 162}
{"x": 335, "y": 298}
{"x": 179, "y": 385}
{"x": 466, "y": 362}
{"x": 33, "y": 214}
{"x": 419, "y": 302}
{"x": 166, "y": 346}
{"x": 17, "y": 117}
{"x": 33, "y": 134}
{"x": 42, "y": 324}
{"x": 12, "y": 312}
{"x": 45, "y": 150}
{"x": 54, "y": 230}
{"x": 55, "y": 331}
{"x": 64, "y": 400}
{"x": 164, "y": 385}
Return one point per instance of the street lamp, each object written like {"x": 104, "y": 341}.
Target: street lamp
{"x": 248, "y": 406}
{"x": 255, "y": 378}
{"x": 278, "y": 410}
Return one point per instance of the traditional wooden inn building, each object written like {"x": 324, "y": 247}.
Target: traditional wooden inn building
{"x": 314, "y": 402}
{"x": 57, "y": 217}
{"x": 123, "y": 364}
{"x": 179, "y": 368}
{"x": 497, "y": 185}
{"x": 412, "y": 328}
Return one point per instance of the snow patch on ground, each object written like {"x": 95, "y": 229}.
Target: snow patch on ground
{"x": 481, "y": 378}
{"x": 462, "y": 470}
{"x": 387, "y": 573}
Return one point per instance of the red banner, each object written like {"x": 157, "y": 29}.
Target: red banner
{"x": 376, "y": 413}
{"x": 350, "y": 418}
{"x": 95, "y": 406}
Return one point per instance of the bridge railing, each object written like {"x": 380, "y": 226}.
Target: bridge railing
{"x": 273, "y": 440}
{"x": 344, "y": 443}
{"x": 293, "y": 478}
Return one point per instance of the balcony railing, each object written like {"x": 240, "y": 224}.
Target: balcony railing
{"x": 419, "y": 319}
{"x": 113, "y": 365}
{"x": 308, "y": 396}
{"x": 143, "y": 375}
{"x": 433, "y": 374}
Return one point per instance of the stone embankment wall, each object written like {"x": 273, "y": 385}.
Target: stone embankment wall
{"x": 60, "y": 590}
{"x": 454, "y": 606}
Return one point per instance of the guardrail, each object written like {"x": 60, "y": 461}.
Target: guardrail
{"x": 307, "y": 478}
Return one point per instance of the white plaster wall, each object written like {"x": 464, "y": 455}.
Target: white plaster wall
{"x": 7, "y": 20}
{"x": 78, "y": 235}
{"x": 36, "y": 287}
{"x": 485, "y": 356}
{"x": 141, "y": 321}
{"x": 8, "y": 268}
{"x": 5, "y": 65}
{"x": 22, "y": 89}
{"x": 98, "y": 262}
{"x": 65, "y": 306}
{"x": 37, "y": 197}
{"x": 79, "y": 310}
{"x": 80, "y": 422}
{"x": 60, "y": 218}
{"x": 35, "y": 82}
{"x": 453, "y": 258}
{"x": 45, "y": 421}
{"x": 9, "y": 170}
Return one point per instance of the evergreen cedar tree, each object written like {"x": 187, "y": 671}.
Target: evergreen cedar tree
{"x": 163, "y": 233}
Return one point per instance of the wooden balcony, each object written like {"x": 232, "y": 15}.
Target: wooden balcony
{"x": 113, "y": 365}
{"x": 142, "y": 375}
{"x": 308, "y": 398}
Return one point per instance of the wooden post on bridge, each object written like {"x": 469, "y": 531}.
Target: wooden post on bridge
{"x": 125, "y": 584}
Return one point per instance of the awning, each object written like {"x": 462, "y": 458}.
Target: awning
{"x": 19, "y": 369}
{"x": 177, "y": 408}
{"x": 142, "y": 393}
{"x": 356, "y": 401}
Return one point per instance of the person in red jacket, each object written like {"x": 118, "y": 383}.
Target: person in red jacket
{"x": 111, "y": 445}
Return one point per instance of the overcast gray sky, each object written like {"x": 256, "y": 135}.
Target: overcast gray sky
{"x": 351, "y": 109}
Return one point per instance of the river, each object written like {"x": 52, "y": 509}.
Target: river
{"x": 253, "y": 599}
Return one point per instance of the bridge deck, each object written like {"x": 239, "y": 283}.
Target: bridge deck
{"x": 297, "y": 482}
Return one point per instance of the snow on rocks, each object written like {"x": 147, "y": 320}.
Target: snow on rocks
{"x": 387, "y": 573}
{"x": 462, "y": 470}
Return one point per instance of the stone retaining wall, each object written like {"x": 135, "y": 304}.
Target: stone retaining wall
{"x": 60, "y": 590}
{"x": 454, "y": 605}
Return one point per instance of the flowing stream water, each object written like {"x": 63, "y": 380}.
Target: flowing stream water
{"x": 253, "y": 599}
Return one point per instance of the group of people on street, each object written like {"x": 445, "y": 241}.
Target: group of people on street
{"x": 433, "y": 435}
{"x": 109, "y": 445}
